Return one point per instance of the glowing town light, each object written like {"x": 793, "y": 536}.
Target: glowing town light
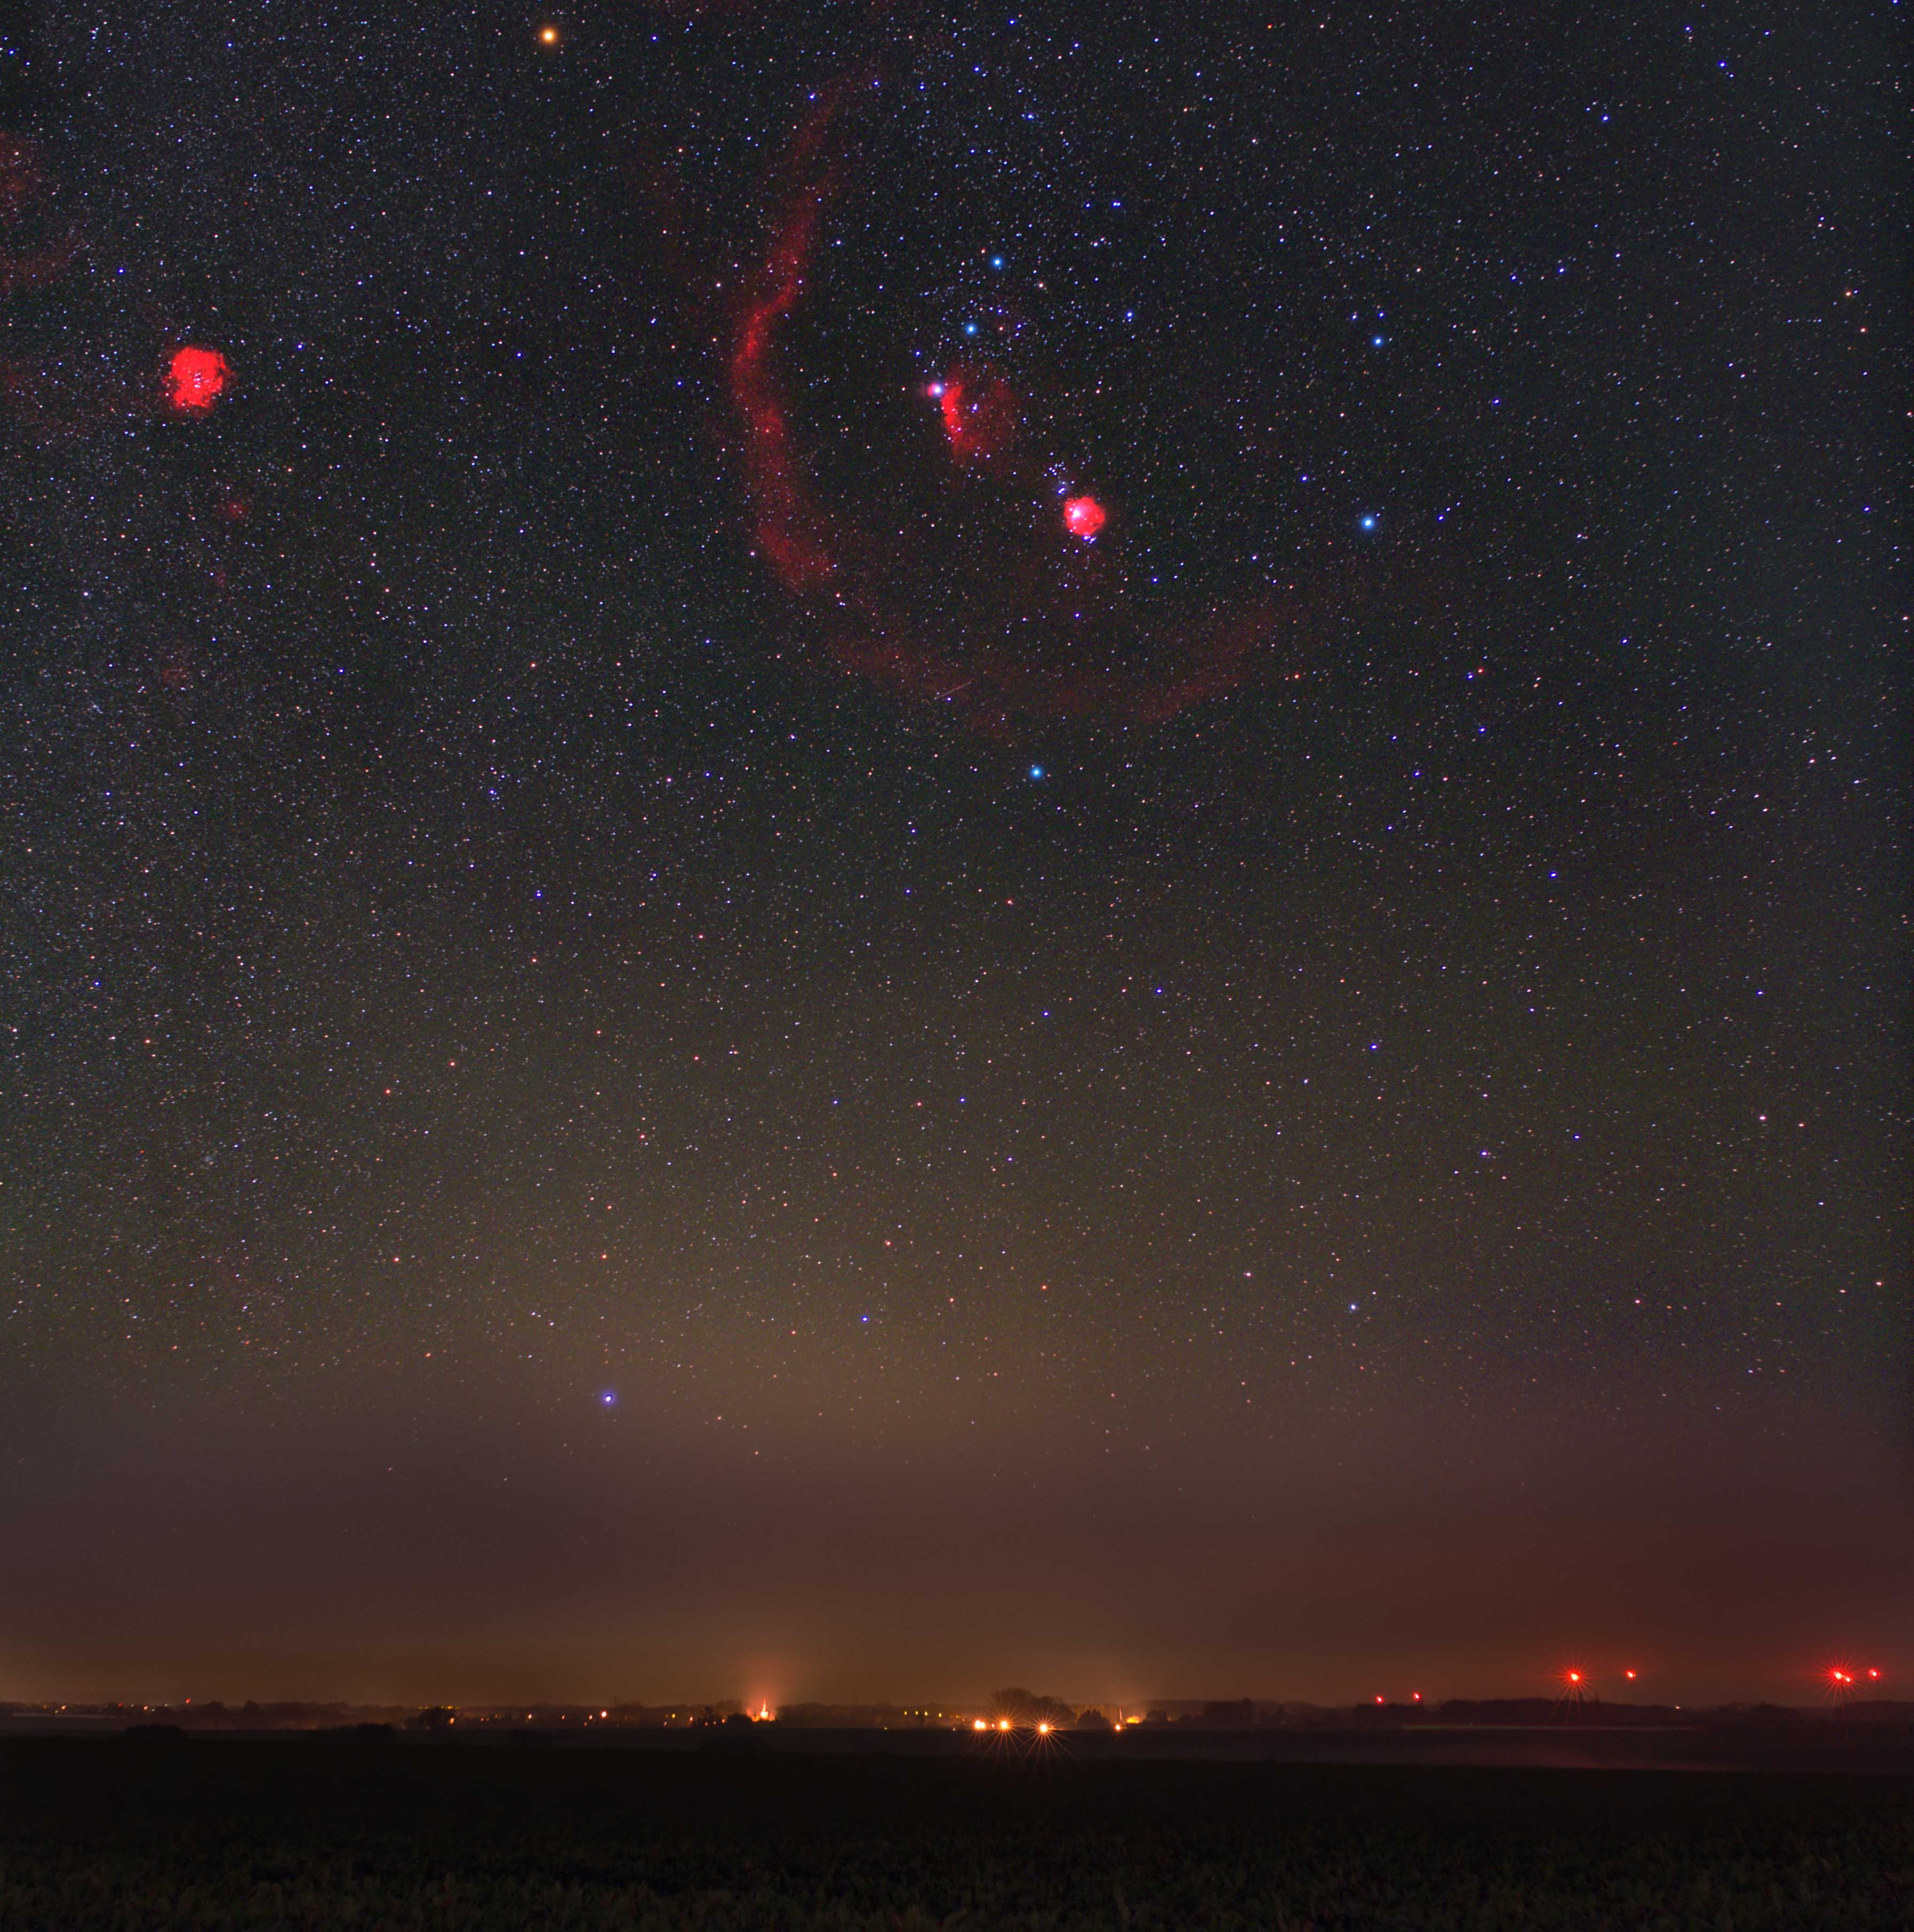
{"x": 1083, "y": 517}
{"x": 980, "y": 1725}
{"x": 1043, "y": 1730}
{"x": 1003, "y": 1724}
{"x": 196, "y": 379}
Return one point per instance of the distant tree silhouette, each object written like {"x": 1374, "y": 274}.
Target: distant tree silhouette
{"x": 1236, "y": 1714}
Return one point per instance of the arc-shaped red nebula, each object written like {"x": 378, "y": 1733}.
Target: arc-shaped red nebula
{"x": 1013, "y": 606}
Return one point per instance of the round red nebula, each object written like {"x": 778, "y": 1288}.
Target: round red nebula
{"x": 196, "y": 379}
{"x": 1083, "y": 517}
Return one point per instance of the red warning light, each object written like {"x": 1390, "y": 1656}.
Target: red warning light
{"x": 1630, "y": 1674}
{"x": 196, "y": 379}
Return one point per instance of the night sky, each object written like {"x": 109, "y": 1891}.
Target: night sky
{"x": 885, "y": 848}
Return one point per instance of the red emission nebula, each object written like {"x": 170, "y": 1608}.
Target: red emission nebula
{"x": 976, "y": 568}
{"x": 196, "y": 379}
{"x": 69, "y": 373}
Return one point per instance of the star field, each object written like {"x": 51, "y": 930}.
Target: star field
{"x": 1287, "y": 921}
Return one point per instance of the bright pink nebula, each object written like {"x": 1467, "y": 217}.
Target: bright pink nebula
{"x": 195, "y": 379}
{"x": 1083, "y": 517}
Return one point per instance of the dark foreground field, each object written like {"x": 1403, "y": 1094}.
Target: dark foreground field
{"x": 143, "y": 1835}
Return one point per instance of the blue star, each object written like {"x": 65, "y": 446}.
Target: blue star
{"x": 1036, "y": 771}
{"x": 997, "y": 261}
{"x": 1368, "y": 520}
{"x": 609, "y": 1399}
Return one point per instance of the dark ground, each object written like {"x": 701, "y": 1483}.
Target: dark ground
{"x": 312, "y": 1832}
